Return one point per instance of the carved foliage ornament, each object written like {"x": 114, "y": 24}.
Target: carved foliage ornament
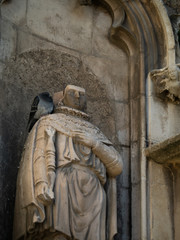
{"x": 167, "y": 82}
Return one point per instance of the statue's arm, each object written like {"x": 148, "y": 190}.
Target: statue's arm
{"x": 50, "y": 159}
{"x": 39, "y": 165}
{"x": 106, "y": 153}
{"x": 42, "y": 167}
{"x": 110, "y": 157}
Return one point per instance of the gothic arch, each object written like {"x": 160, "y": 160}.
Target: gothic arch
{"x": 143, "y": 30}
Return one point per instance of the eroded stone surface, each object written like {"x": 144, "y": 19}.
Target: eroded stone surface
{"x": 167, "y": 83}
{"x": 8, "y": 40}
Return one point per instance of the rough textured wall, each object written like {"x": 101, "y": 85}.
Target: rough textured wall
{"x": 174, "y": 5}
{"x": 80, "y": 54}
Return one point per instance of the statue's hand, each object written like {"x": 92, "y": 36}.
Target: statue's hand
{"x": 84, "y": 138}
{"x": 42, "y": 193}
{"x": 50, "y": 131}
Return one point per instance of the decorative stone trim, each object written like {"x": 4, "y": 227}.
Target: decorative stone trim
{"x": 167, "y": 82}
{"x": 166, "y": 152}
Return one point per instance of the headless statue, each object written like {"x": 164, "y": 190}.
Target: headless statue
{"x": 65, "y": 165}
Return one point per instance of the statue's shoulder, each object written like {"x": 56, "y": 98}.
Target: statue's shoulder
{"x": 62, "y": 121}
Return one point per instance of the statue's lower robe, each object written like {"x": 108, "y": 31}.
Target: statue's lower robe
{"x": 80, "y": 204}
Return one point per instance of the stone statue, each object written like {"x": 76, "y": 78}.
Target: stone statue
{"x": 65, "y": 165}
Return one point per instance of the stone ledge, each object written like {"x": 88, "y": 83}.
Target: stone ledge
{"x": 165, "y": 152}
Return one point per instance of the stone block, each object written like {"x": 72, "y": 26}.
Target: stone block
{"x": 158, "y": 120}
{"x": 135, "y": 212}
{"x": 159, "y": 174}
{"x": 124, "y": 178}
{"x": 101, "y": 45}
{"x": 135, "y": 119}
{"x": 135, "y": 86}
{"x": 122, "y": 122}
{"x": 161, "y": 213}
{"x": 14, "y": 11}
{"x": 68, "y": 24}
{"x": 2, "y": 65}
{"x": 111, "y": 74}
{"x": 8, "y": 40}
{"x": 123, "y": 203}
{"x": 27, "y": 41}
{"x": 173, "y": 118}
{"x": 135, "y": 163}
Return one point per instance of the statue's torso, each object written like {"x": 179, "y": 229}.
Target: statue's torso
{"x": 69, "y": 152}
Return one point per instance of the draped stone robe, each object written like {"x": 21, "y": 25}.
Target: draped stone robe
{"x": 79, "y": 208}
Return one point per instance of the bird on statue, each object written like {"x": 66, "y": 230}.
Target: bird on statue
{"x": 41, "y": 106}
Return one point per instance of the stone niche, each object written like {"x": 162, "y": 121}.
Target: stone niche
{"x": 36, "y": 71}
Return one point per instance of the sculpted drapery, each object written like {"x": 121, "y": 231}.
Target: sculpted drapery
{"x": 64, "y": 167}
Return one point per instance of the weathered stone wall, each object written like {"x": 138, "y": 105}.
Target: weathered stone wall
{"x": 45, "y": 46}
{"x": 173, "y": 5}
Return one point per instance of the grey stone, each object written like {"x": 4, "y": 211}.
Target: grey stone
{"x": 123, "y": 203}
{"x": 135, "y": 119}
{"x": 135, "y": 163}
{"x": 122, "y": 122}
{"x": 135, "y": 211}
{"x": 8, "y": 40}
{"x": 125, "y": 176}
{"x": 2, "y": 65}
{"x": 15, "y": 11}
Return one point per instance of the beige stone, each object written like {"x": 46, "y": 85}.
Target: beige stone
{"x": 164, "y": 152}
{"x": 135, "y": 114}
{"x": 63, "y": 170}
{"x": 166, "y": 82}
{"x": 111, "y": 74}
{"x": 161, "y": 221}
{"x": 28, "y": 41}
{"x": 101, "y": 46}
{"x": 122, "y": 122}
{"x": 55, "y": 23}
{"x": 164, "y": 183}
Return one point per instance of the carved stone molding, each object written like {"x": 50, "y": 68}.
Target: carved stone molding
{"x": 119, "y": 34}
{"x": 167, "y": 83}
{"x": 166, "y": 152}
